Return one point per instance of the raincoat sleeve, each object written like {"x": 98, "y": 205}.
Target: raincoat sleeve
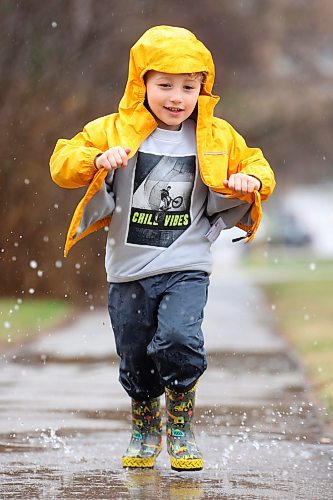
{"x": 251, "y": 161}
{"x": 72, "y": 162}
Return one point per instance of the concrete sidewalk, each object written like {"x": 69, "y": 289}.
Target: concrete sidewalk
{"x": 64, "y": 416}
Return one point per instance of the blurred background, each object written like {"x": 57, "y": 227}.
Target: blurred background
{"x": 64, "y": 63}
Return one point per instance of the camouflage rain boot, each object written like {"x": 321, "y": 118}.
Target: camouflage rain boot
{"x": 146, "y": 440}
{"x": 182, "y": 448}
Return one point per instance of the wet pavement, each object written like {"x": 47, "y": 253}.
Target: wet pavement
{"x": 64, "y": 419}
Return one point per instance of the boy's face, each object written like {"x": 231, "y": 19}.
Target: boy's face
{"x": 172, "y": 97}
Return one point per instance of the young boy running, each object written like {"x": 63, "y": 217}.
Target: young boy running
{"x": 166, "y": 177}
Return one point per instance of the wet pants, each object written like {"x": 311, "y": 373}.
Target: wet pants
{"x": 157, "y": 327}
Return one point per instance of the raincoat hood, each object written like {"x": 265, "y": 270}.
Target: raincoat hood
{"x": 169, "y": 50}
{"x": 166, "y": 49}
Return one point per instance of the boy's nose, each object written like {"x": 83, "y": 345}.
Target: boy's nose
{"x": 176, "y": 98}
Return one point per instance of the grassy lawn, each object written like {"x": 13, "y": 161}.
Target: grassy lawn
{"x": 301, "y": 295}
{"x": 21, "y": 319}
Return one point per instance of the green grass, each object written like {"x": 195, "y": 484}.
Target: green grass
{"x": 22, "y": 319}
{"x": 301, "y": 295}
{"x": 289, "y": 266}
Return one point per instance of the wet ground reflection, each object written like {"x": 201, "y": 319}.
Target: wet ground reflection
{"x": 63, "y": 464}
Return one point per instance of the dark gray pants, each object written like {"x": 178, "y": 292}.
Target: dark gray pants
{"x": 157, "y": 327}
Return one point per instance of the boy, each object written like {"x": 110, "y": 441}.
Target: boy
{"x": 172, "y": 176}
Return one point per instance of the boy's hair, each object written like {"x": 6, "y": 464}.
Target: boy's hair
{"x": 202, "y": 74}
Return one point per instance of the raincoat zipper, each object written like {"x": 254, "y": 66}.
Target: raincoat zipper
{"x": 248, "y": 234}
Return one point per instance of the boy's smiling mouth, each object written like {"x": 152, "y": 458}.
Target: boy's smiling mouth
{"x": 173, "y": 110}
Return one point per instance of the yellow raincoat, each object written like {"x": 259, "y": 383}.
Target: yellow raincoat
{"x": 221, "y": 150}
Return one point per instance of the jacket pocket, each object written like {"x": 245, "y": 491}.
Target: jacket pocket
{"x": 216, "y": 153}
{"x": 214, "y": 168}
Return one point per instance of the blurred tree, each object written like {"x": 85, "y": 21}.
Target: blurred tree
{"x": 64, "y": 62}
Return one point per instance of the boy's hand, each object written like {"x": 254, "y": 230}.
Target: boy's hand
{"x": 113, "y": 158}
{"x": 242, "y": 183}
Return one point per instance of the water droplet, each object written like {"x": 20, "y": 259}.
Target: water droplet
{"x": 33, "y": 264}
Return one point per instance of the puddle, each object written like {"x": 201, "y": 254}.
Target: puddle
{"x": 269, "y": 473}
{"x": 262, "y": 362}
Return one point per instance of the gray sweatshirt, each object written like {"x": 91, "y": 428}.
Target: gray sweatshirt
{"x": 159, "y": 223}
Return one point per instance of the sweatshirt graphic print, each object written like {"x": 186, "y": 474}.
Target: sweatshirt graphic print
{"x": 161, "y": 200}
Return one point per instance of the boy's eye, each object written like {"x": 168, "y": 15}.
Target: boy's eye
{"x": 164, "y": 85}
{"x": 188, "y": 87}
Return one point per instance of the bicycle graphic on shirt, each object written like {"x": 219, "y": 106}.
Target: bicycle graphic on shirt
{"x": 167, "y": 202}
